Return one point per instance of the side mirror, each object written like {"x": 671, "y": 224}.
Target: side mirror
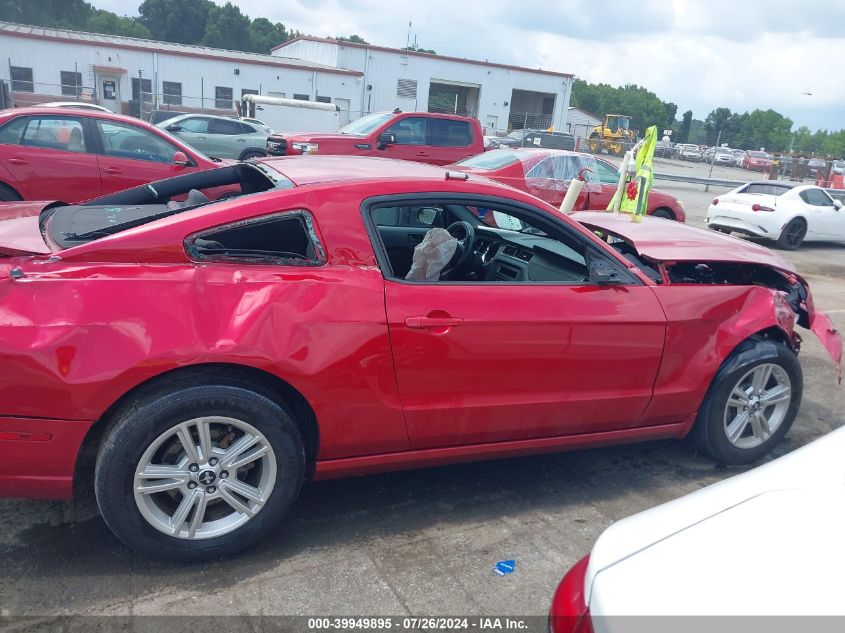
{"x": 180, "y": 158}
{"x": 174, "y": 128}
{"x": 387, "y": 138}
{"x": 837, "y": 204}
{"x": 602, "y": 273}
{"x": 428, "y": 216}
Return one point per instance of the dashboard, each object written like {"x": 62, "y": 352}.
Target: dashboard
{"x": 502, "y": 255}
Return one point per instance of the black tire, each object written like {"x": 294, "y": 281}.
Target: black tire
{"x": 663, "y": 212}
{"x": 252, "y": 153}
{"x": 7, "y": 194}
{"x": 138, "y": 425}
{"x": 792, "y": 235}
{"x": 710, "y": 430}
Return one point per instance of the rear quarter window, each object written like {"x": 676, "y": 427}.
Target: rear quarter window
{"x": 286, "y": 238}
{"x": 765, "y": 189}
{"x": 449, "y": 133}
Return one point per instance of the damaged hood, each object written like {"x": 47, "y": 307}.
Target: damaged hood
{"x": 669, "y": 241}
{"x": 20, "y": 233}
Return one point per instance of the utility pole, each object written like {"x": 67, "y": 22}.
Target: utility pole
{"x": 712, "y": 158}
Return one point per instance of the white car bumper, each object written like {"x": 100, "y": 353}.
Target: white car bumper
{"x": 742, "y": 219}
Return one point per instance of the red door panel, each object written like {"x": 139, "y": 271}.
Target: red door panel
{"x": 122, "y": 173}
{"x": 488, "y": 362}
{"x": 48, "y": 174}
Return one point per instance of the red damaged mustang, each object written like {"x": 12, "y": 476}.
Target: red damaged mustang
{"x": 340, "y": 316}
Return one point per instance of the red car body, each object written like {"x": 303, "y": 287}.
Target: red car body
{"x": 424, "y": 137}
{"x": 378, "y": 365}
{"x": 546, "y": 173}
{"x": 756, "y": 161}
{"x": 39, "y": 160}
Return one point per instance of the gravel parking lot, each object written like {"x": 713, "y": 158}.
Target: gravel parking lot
{"x": 421, "y": 542}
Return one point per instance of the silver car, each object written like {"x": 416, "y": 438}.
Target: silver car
{"x": 219, "y": 136}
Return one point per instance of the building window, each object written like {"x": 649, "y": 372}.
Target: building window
{"x": 22, "y": 79}
{"x": 142, "y": 88}
{"x": 301, "y": 97}
{"x": 71, "y": 83}
{"x": 323, "y": 99}
{"x": 223, "y": 98}
{"x": 406, "y": 88}
{"x": 172, "y": 91}
{"x": 248, "y": 91}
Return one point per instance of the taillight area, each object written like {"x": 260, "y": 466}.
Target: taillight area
{"x": 569, "y": 612}
{"x": 760, "y": 207}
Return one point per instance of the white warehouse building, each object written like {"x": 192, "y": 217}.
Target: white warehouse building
{"x": 134, "y": 76}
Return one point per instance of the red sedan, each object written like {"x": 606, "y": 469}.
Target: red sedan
{"x": 343, "y": 316}
{"x": 76, "y": 154}
{"x": 546, "y": 173}
{"x": 756, "y": 161}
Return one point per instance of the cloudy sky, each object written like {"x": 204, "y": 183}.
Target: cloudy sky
{"x": 701, "y": 54}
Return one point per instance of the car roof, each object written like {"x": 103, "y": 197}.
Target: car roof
{"x": 306, "y": 170}
{"x": 185, "y": 115}
{"x": 99, "y": 114}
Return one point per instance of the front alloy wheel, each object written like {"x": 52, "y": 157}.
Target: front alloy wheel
{"x": 757, "y": 406}
{"x": 752, "y": 402}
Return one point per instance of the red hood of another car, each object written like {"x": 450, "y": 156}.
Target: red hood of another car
{"x": 668, "y": 241}
{"x": 19, "y": 230}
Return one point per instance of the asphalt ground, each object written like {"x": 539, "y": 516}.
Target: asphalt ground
{"x": 420, "y": 542}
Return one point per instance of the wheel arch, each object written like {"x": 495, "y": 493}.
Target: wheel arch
{"x": 262, "y": 381}
{"x": 252, "y": 150}
{"x": 4, "y": 184}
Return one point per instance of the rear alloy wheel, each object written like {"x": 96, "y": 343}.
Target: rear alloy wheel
{"x": 792, "y": 235}
{"x": 752, "y": 402}
{"x": 199, "y": 472}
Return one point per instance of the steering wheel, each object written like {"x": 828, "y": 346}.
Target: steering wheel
{"x": 464, "y": 232}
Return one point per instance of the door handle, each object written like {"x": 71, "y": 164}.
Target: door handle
{"x": 113, "y": 170}
{"x": 424, "y": 322}
{"x": 424, "y": 154}
{"x": 17, "y": 161}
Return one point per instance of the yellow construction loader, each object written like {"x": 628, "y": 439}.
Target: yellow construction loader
{"x": 613, "y": 136}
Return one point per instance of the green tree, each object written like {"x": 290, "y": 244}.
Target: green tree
{"x": 264, "y": 35}
{"x": 686, "y": 125}
{"x": 671, "y": 110}
{"x": 417, "y": 49}
{"x": 355, "y": 39}
{"x": 70, "y": 14}
{"x": 227, "y": 28}
{"x": 108, "y": 22}
{"x": 182, "y": 21}
{"x": 715, "y": 124}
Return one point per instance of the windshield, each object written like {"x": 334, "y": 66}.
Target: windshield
{"x": 517, "y": 134}
{"x": 490, "y": 160}
{"x": 366, "y": 124}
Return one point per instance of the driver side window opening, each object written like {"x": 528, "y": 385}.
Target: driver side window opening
{"x": 127, "y": 141}
{"x": 486, "y": 243}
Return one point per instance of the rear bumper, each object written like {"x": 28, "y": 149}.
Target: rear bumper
{"x": 759, "y": 223}
{"x": 37, "y": 456}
